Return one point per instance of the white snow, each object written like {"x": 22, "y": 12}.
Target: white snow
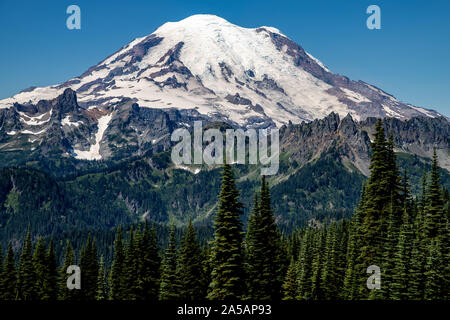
{"x": 34, "y": 96}
{"x": 94, "y": 151}
{"x": 35, "y": 121}
{"x": 11, "y": 133}
{"x": 34, "y": 133}
{"x": 66, "y": 122}
{"x": 354, "y": 96}
{"x": 273, "y": 30}
{"x": 191, "y": 170}
{"x": 390, "y": 112}
{"x": 422, "y": 110}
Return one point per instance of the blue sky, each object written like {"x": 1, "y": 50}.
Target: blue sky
{"x": 409, "y": 57}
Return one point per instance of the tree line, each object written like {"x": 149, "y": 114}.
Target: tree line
{"x": 406, "y": 237}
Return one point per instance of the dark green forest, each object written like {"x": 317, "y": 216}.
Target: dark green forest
{"x": 244, "y": 256}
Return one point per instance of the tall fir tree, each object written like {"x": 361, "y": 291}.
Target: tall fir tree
{"x": 416, "y": 288}
{"x": 423, "y": 195}
{"x": 331, "y": 278}
{"x": 275, "y": 259}
{"x": 102, "y": 288}
{"x": 41, "y": 270}
{"x": 290, "y": 282}
{"x": 390, "y": 249}
{"x": 227, "y": 276}
{"x": 51, "y": 284}
{"x": 401, "y": 273}
{"x": 170, "y": 286}
{"x": 130, "y": 274}
{"x": 382, "y": 204}
{"x": 190, "y": 266}
{"x": 434, "y": 277}
{"x": 264, "y": 254}
{"x": 117, "y": 290}
{"x": 149, "y": 264}
{"x": 319, "y": 260}
{"x": 254, "y": 254}
{"x": 434, "y": 206}
{"x": 64, "y": 292}
{"x": 305, "y": 271}
{"x": 26, "y": 279}
{"x": 89, "y": 270}
{"x": 353, "y": 266}
{"x": 8, "y": 277}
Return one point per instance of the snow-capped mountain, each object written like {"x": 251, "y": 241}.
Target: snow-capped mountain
{"x": 206, "y": 65}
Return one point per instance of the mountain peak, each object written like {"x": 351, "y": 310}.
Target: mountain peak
{"x": 207, "y": 21}
{"x": 200, "y": 19}
{"x": 201, "y": 62}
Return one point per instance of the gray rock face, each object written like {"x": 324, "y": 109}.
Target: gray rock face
{"x": 55, "y": 128}
{"x": 350, "y": 140}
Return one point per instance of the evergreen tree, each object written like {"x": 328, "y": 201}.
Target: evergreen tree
{"x": 254, "y": 254}
{"x": 382, "y": 204}
{"x": 8, "y": 277}
{"x": 434, "y": 207}
{"x": 401, "y": 274}
{"x": 275, "y": 259}
{"x": 304, "y": 267}
{"x": 101, "y": 281}
{"x": 51, "y": 284}
{"x": 405, "y": 193}
{"x": 341, "y": 255}
{"x": 433, "y": 273}
{"x": 64, "y": 292}
{"x": 131, "y": 269}
{"x": 26, "y": 278}
{"x": 320, "y": 255}
{"x": 207, "y": 265}
{"x": 264, "y": 250}
{"x": 41, "y": 270}
{"x": 423, "y": 196}
{"x": 353, "y": 267}
{"x": 374, "y": 207}
{"x": 117, "y": 290}
{"x": 149, "y": 265}
{"x": 227, "y": 276}
{"x": 89, "y": 270}
{"x": 416, "y": 288}
{"x": 330, "y": 277}
{"x": 290, "y": 282}
{"x": 389, "y": 259}
{"x": 170, "y": 287}
{"x": 190, "y": 267}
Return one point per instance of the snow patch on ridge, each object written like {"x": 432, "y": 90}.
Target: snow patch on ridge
{"x": 354, "y": 96}
{"x": 66, "y": 122}
{"x": 94, "y": 151}
{"x": 35, "y": 121}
